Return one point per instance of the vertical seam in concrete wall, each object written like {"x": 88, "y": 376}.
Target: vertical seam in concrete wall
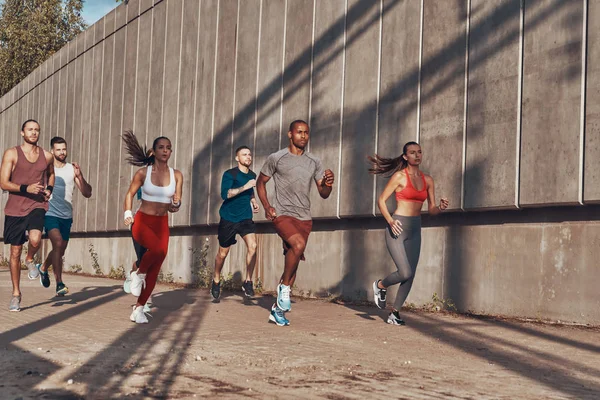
{"x": 465, "y": 114}
{"x": 339, "y": 171}
{"x": 583, "y": 103}
{"x": 214, "y": 95}
{"x": 137, "y": 56}
{"x": 283, "y": 71}
{"x": 194, "y": 112}
{"x": 257, "y": 73}
{"x": 418, "y": 133}
{"x": 112, "y": 84}
{"x": 178, "y": 87}
{"x": 312, "y": 63}
{"x": 519, "y": 102}
{"x": 235, "y": 66}
{"x": 374, "y": 202}
{"x": 57, "y": 72}
{"x": 162, "y": 96}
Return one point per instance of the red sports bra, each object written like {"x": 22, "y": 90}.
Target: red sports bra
{"x": 409, "y": 193}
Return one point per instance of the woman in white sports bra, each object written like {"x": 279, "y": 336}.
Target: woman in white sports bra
{"x": 161, "y": 193}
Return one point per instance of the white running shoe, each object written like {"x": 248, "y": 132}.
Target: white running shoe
{"x": 138, "y": 282}
{"x": 33, "y": 271}
{"x": 138, "y": 316}
{"x": 127, "y": 283}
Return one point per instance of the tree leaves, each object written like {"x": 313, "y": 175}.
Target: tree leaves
{"x": 31, "y": 31}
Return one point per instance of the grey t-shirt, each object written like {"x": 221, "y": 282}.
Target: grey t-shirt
{"x": 293, "y": 176}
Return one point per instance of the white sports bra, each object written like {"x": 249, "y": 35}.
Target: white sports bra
{"x": 158, "y": 194}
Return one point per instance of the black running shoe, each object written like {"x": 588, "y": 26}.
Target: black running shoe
{"x": 44, "y": 277}
{"x": 215, "y": 290}
{"x": 248, "y": 289}
{"x": 394, "y": 319}
{"x": 61, "y": 289}
{"x": 379, "y": 295}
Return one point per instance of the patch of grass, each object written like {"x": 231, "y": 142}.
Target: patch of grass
{"x": 201, "y": 273}
{"x": 438, "y": 304}
{"x": 4, "y": 261}
{"x": 166, "y": 278}
{"x": 117, "y": 273}
{"x": 75, "y": 268}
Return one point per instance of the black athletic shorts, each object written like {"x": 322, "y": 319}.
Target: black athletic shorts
{"x": 15, "y": 228}
{"x": 228, "y": 230}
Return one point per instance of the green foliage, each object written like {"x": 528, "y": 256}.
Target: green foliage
{"x": 75, "y": 268}
{"x": 116, "y": 273}
{"x": 438, "y": 304}
{"x": 95, "y": 264}
{"x": 201, "y": 273}
{"x": 166, "y": 278}
{"x": 31, "y": 31}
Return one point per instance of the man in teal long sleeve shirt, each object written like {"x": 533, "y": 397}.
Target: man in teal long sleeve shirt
{"x": 237, "y": 192}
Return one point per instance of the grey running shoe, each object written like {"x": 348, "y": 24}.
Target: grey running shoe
{"x": 32, "y": 270}
{"x": 15, "y": 304}
{"x": 215, "y": 290}
{"x": 248, "y": 289}
{"x": 379, "y": 295}
{"x": 394, "y": 319}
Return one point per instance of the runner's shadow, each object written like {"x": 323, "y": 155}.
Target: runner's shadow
{"x": 84, "y": 294}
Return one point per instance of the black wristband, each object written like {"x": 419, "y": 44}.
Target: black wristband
{"x": 50, "y": 188}
{"x": 23, "y": 189}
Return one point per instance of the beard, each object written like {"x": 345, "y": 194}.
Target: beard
{"x": 31, "y": 141}
{"x": 61, "y": 158}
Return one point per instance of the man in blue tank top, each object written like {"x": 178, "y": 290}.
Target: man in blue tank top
{"x": 236, "y": 218}
{"x": 59, "y": 217}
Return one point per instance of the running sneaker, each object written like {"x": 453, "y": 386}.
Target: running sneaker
{"x": 215, "y": 290}
{"x": 147, "y": 307}
{"x": 283, "y": 297}
{"x": 61, "y": 289}
{"x": 127, "y": 283}
{"x": 44, "y": 276}
{"x": 278, "y": 316}
{"x": 248, "y": 289}
{"x": 394, "y": 319}
{"x": 138, "y": 316}
{"x": 379, "y": 295}
{"x": 33, "y": 271}
{"x": 15, "y": 303}
{"x": 138, "y": 282}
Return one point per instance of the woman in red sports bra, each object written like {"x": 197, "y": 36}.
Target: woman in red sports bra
{"x": 403, "y": 234}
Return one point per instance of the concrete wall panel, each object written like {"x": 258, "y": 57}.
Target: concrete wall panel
{"x": 114, "y": 215}
{"x": 401, "y": 36}
{"x": 105, "y": 131}
{"x": 198, "y": 195}
{"x": 326, "y": 100}
{"x": 443, "y": 95}
{"x": 129, "y": 104}
{"x": 187, "y": 93}
{"x": 492, "y": 119}
{"x": 74, "y": 143}
{"x": 157, "y": 68}
{"x": 133, "y": 10}
{"x": 591, "y": 173}
{"x": 94, "y": 135}
{"x": 171, "y": 78}
{"x": 268, "y": 130}
{"x": 222, "y": 152}
{"x": 360, "y": 105}
{"x": 298, "y": 55}
{"x": 551, "y": 102}
{"x": 144, "y": 52}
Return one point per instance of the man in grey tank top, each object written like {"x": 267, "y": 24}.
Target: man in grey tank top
{"x": 293, "y": 171}
{"x": 27, "y": 173}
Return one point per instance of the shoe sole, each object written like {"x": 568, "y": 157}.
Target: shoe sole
{"x": 62, "y": 294}
{"x": 15, "y": 310}
{"x": 375, "y": 299}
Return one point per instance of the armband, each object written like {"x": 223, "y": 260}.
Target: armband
{"x": 50, "y": 188}
{"x": 127, "y": 214}
{"x": 23, "y": 189}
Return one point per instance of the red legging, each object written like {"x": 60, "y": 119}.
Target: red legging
{"x": 152, "y": 232}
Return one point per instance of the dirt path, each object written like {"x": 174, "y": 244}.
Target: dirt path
{"x": 193, "y": 348}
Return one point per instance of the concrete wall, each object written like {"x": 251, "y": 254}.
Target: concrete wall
{"x": 501, "y": 94}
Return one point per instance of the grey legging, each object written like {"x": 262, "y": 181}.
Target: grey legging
{"x": 405, "y": 250}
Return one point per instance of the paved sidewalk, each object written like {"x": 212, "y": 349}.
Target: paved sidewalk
{"x": 194, "y": 348}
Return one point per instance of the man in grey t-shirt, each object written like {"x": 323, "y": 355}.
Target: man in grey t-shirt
{"x": 293, "y": 170}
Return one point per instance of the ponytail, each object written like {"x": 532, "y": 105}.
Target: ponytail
{"x": 138, "y": 155}
{"x": 388, "y": 166}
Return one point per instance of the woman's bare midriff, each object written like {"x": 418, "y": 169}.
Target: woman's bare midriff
{"x": 408, "y": 208}
{"x": 153, "y": 208}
